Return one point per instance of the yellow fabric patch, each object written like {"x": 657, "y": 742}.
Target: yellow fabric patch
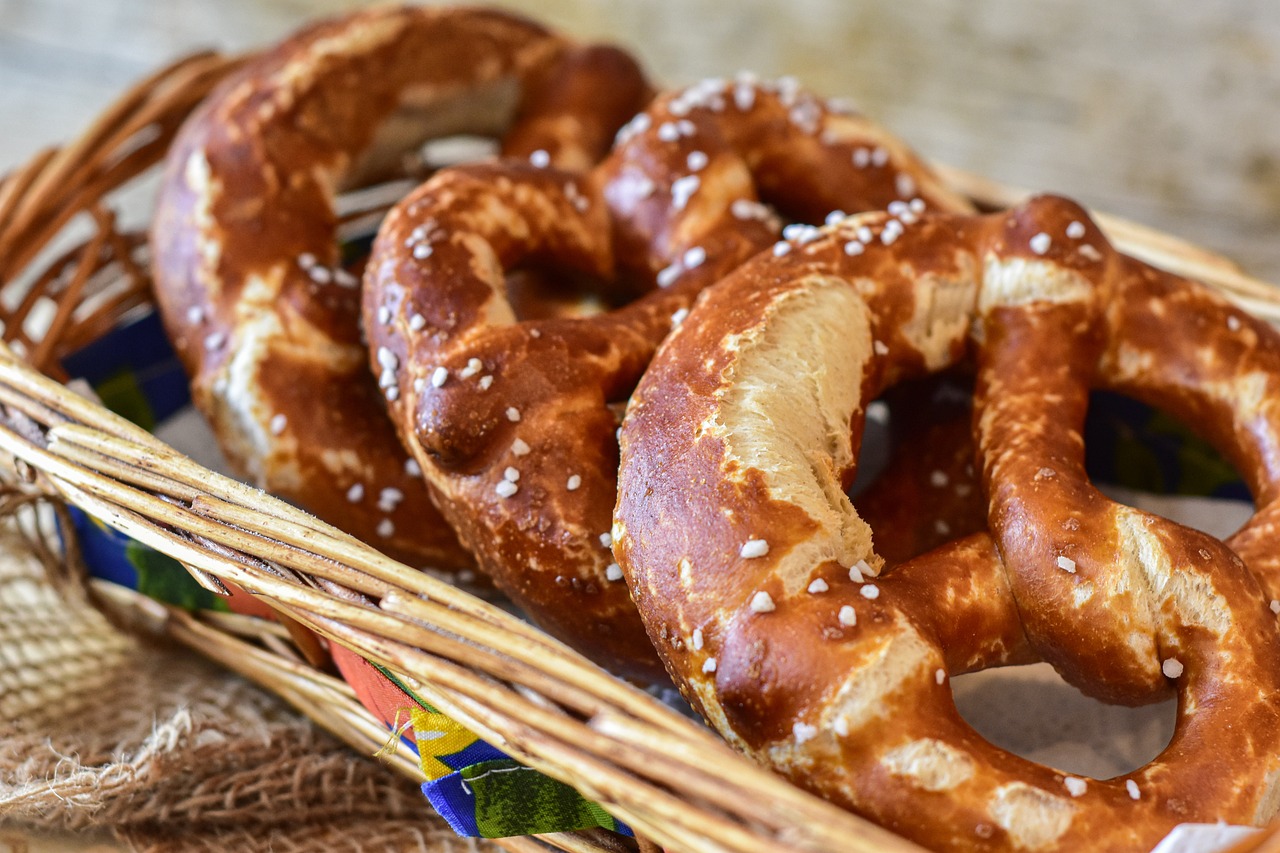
{"x": 437, "y": 736}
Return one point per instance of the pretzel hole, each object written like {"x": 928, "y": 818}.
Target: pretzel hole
{"x": 454, "y": 150}
{"x": 1031, "y": 712}
{"x": 426, "y": 117}
{"x": 916, "y": 485}
{"x": 543, "y": 291}
{"x": 1136, "y": 454}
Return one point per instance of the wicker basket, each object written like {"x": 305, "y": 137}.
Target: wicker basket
{"x": 69, "y": 273}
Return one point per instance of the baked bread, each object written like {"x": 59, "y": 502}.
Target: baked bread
{"x": 763, "y": 591}
{"x": 258, "y": 295}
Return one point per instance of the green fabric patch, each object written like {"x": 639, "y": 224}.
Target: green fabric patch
{"x": 163, "y": 578}
{"x": 511, "y": 799}
{"x": 121, "y": 393}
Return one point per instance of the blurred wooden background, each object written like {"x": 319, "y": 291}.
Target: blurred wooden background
{"x": 1158, "y": 111}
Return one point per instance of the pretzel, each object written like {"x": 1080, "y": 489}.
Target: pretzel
{"x": 514, "y": 420}
{"x": 254, "y": 292}
{"x": 759, "y": 584}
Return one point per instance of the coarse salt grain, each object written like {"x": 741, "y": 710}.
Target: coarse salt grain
{"x": 1075, "y": 230}
{"x": 439, "y": 376}
{"x": 606, "y": 540}
{"x": 682, "y": 189}
{"x": 513, "y": 414}
{"x": 804, "y": 732}
{"x": 679, "y": 317}
{"x": 847, "y": 616}
{"x": 697, "y": 639}
{"x": 1275, "y": 606}
{"x": 818, "y": 585}
{"x": 696, "y": 161}
{"x": 892, "y": 231}
{"x": 520, "y": 447}
{"x": 356, "y": 493}
{"x": 278, "y": 423}
{"x": 512, "y": 474}
{"x": 1132, "y": 787}
{"x": 1172, "y": 667}
{"x": 1040, "y": 243}
{"x": 386, "y": 529}
{"x": 709, "y": 665}
{"x": 573, "y": 483}
{"x": 389, "y": 498}
{"x": 870, "y": 591}
{"x": 1075, "y": 786}
{"x": 540, "y": 158}
{"x": 744, "y": 208}
{"x": 762, "y": 602}
{"x": 1067, "y": 564}
{"x": 940, "y": 675}
{"x": 506, "y": 488}
{"x": 753, "y": 548}
{"x": 613, "y": 572}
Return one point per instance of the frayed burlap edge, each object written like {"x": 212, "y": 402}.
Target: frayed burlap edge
{"x": 102, "y": 730}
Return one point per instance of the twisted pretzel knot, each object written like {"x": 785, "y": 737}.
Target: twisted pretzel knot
{"x": 758, "y": 580}
{"x": 514, "y": 420}
{"x": 250, "y": 277}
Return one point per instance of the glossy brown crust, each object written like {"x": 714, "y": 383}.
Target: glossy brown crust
{"x": 842, "y": 685}
{"x": 514, "y": 421}
{"x": 247, "y": 263}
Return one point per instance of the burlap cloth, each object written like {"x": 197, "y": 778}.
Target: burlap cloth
{"x": 104, "y": 731}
